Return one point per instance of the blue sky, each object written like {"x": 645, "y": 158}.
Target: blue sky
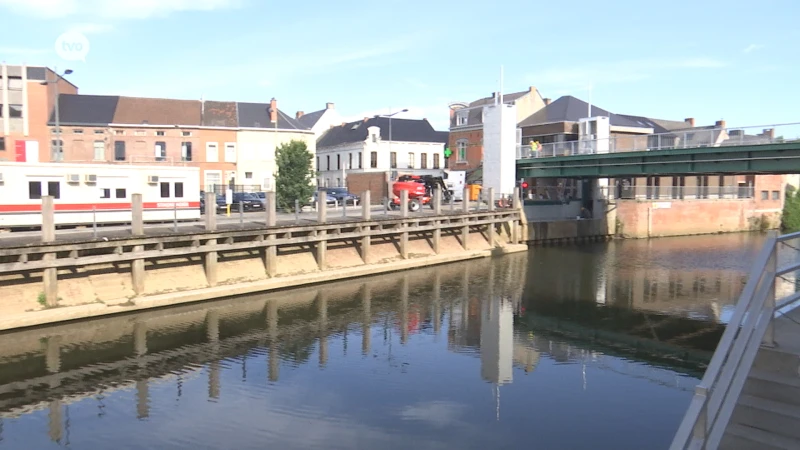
{"x": 710, "y": 60}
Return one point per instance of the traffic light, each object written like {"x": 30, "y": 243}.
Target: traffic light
{"x": 524, "y": 185}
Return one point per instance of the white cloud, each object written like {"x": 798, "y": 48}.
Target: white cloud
{"x": 112, "y": 9}
{"x": 752, "y": 47}
{"x": 629, "y": 71}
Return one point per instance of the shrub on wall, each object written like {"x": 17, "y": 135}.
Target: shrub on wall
{"x": 790, "y": 219}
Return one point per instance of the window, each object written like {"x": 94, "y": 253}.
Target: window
{"x": 212, "y": 154}
{"x": 374, "y": 137}
{"x": 119, "y": 132}
{"x": 461, "y": 151}
{"x": 776, "y": 195}
{"x": 54, "y": 189}
{"x": 318, "y": 168}
{"x": 410, "y": 160}
{"x": 99, "y": 131}
{"x": 34, "y": 190}
{"x": 461, "y": 118}
{"x": 179, "y": 190}
{"x": 230, "y": 152}
{"x": 764, "y": 195}
{"x": 120, "y": 193}
{"x": 435, "y": 160}
{"x": 57, "y": 150}
{"x": 105, "y": 193}
{"x": 2, "y": 144}
{"x": 161, "y": 151}
{"x": 360, "y": 158}
{"x": 186, "y": 133}
{"x": 423, "y": 161}
{"x": 164, "y": 190}
{"x": 248, "y": 175}
{"x": 186, "y": 151}
{"x": 160, "y": 133}
{"x": 393, "y": 160}
{"x": 338, "y": 162}
{"x": 15, "y": 111}
{"x": 327, "y": 162}
{"x": 99, "y": 150}
{"x": 373, "y": 160}
{"x": 350, "y": 163}
{"x": 77, "y": 131}
{"x": 14, "y": 83}
{"x": 119, "y": 150}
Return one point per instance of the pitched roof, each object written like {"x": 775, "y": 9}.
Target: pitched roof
{"x": 311, "y": 119}
{"x": 85, "y": 109}
{"x": 256, "y": 115}
{"x": 443, "y": 136}
{"x": 657, "y": 127}
{"x": 403, "y": 130}
{"x": 157, "y": 111}
{"x": 218, "y": 114}
{"x": 571, "y": 109}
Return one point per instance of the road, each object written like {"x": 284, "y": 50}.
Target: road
{"x": 235, "y": 221}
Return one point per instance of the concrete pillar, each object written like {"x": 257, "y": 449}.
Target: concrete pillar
{"x": 212, "y": 334}
{"x": 322, "y": 217}
{"x": 437, "y": 209}
{"x": 142, "y": 399}
{"x": 437, "y": 237}
{"x": 50, "y": 276}
{"x": 138, "y": 271}
{"x": 322, "y": 312}
{"x": 366, "y": 216}
{"x": 404, "y": 310}
{"x": 140, "y": 339}
{"x": 404, "y": 213}
{"x": 211, "y": 211}
{"x": 516, "y": 227}
{"x": 490, "y": 229}
{"x": 491, "y": 199}
{"x": 271, "y": 251}
{"x": 437, "y": 201}
{"x": 272, "y": 209}
{"x": 465, "y": 202}
{"x": 55, "y": 421}
{"x": 274, "y": 362}
{"x": 137, "y": 215}
{"x": 366, "y": 321}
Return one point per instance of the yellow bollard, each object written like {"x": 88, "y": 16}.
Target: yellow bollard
{"x": 228, "y": 210}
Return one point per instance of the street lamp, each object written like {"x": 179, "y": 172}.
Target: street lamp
{"x": 58, "y": 123}
{"x": 390, "y": 126}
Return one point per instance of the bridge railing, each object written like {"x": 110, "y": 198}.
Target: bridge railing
{"x": 750, "y": 327}
{"x": 689, "y": 138}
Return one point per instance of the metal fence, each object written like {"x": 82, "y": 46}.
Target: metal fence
{"x": 689, "y": 138}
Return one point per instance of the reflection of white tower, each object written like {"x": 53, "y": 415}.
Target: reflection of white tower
{"x": 497, "y": 340}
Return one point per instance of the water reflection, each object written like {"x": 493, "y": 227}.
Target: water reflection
{"x": 472, "y": 355}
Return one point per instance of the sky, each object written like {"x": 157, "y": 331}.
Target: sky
{"x": 710, "y": 60}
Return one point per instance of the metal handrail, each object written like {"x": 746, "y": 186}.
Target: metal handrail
{"x": 706, "y": 419}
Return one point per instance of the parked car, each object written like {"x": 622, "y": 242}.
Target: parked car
{"x": 249, "y": 202}
{"x": 331, "y": 200}
{"x": 342, "y": 195}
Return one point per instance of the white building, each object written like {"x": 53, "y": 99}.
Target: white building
{"x": 320, "y": 121}
{"x": 378, "y": 144}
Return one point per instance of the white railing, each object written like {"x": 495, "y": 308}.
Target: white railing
{"x": 716, "y": 396}
{"x": 689, "y": 138}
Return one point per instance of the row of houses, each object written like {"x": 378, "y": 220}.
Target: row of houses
{"x": 233, "y": 143}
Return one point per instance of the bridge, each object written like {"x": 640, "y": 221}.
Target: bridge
{"x": 706, "y": 151}
{"x": 749, "y": 396}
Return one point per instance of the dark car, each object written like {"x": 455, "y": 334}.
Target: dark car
{"x": 342, "y": 195}
{"x": 249, "y": 202}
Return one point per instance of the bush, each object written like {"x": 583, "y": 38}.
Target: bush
{"x": 790, "y": 219}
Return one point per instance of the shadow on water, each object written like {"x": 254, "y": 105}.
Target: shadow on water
{"x": 367, "y": 353}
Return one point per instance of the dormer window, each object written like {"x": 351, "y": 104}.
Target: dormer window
{"x": 461, "y": 118}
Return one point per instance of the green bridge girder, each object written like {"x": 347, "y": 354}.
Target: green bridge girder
{"x": 776, "y": 158}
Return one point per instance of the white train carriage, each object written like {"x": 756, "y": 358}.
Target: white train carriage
{"x": 84, "y": 192}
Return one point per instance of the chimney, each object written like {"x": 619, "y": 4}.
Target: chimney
{"x": 720, "y": 124}
{"x": 298, "y": 114}
{"x": 689, "y": 121}
{"x": 328, "y": 105}
{"x": 769, "y": 133}
{"x": 547, "y": 101}
{"x": 531, "y": 89}
{"x": 273, "y": 110}
{"x": 366, "y": 119}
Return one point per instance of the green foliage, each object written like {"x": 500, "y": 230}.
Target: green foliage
{"x": 42, "y": 299}
{"x": 790, "y": 220}
{"x": 295, "y": 174}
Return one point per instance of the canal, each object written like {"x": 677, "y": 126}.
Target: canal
{"x": 579, "y": 347}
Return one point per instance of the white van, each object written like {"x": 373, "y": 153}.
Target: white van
{"x": 456, "y": 181}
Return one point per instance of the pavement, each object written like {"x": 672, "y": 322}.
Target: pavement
{"x": 254, "y": 219}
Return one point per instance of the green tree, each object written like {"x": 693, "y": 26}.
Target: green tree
{"x": 790, "y": 219}
{"x": 295, "y": 174}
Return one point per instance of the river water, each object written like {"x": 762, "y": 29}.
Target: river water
{"x": 581, "y": 347}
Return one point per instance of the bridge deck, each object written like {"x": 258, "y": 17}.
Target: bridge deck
{"x": 767, "y": 414}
